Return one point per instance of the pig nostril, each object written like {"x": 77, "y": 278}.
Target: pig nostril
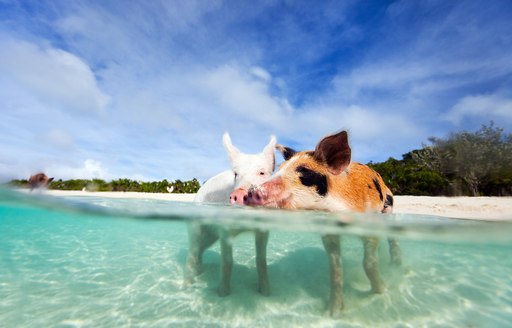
{"x": 235, "y": 198}
{"x": 245, "y": 198}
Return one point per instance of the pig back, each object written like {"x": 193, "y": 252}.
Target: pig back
{"x": 217, "y": 189}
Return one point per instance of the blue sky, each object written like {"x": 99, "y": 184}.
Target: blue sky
{"x": 145, "y": 89}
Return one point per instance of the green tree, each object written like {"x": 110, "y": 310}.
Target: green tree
{"x": 73, "y": 184}
{"x": 406, "y": 177}
{"x": 470, "y": 157}
{"x": 125, "y": 185}
{"x": 23, "y": 183}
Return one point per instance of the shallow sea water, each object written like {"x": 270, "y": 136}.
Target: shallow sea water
{"x": 99, "y": 262}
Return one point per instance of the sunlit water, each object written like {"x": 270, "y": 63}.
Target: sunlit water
{"x": 98, "y": 262}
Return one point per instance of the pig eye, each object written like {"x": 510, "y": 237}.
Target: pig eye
{"x": 236, "y": 175}
{"x": 262, "y": 173}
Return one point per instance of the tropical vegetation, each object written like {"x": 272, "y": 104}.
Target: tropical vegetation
{"x": 164, "y": 186}
{"x": 464, "y": 163}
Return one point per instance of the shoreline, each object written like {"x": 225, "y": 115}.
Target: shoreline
{"x": 476, "y": 208}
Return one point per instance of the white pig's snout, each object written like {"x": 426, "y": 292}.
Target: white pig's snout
{"x": 238, "y": 197}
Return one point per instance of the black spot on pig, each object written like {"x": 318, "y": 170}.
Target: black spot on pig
{"x": 310, "y": 178}
{"x": 379, "y": 189}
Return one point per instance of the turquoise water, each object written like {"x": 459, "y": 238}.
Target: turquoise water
{"x": 98, "y": 262}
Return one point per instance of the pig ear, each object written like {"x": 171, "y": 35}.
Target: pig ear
{"x": 50, "y": 180}
{"x": 334, "y": 151}
{"x": 268, "y": 151}
{"x": 286, "y": 151}
{"x": 269, "y": 148}
{"x": 233, "y": 152}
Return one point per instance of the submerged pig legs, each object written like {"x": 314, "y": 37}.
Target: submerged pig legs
{"x": 332, "y": 247}
{"x": 261, "y": 239}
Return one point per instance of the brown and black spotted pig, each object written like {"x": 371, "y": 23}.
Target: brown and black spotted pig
{"x": 39, "y": 180}
{"x": 326, "y": 179}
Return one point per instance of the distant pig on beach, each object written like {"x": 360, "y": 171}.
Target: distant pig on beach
{"x": 39, "y": 180}
{"x": 246, "y": 170}
{"x": 326, "y": 179}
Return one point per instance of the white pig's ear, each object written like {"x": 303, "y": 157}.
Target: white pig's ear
{"x": 269, "y": 148}
{"x": 268, "y": 151}
{"x": 232, "y": 151}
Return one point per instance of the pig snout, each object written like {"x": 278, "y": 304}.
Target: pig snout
{"x": 238, "y": 197}
{"x": 272, "y": 193}
{"x": 254, "y": 197}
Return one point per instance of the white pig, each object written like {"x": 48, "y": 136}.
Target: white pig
{"x": 246, "y": 170}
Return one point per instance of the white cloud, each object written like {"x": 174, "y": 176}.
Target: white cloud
{"x": 382, "y": 76}
{"x": 90, "y": 169}
{"x": 51, "y": 75}
{"x": 262, "y": 74}
{"x": 244, "y": 95}
{"x": 486, "y": 106}
{"x": 373, "y": 132}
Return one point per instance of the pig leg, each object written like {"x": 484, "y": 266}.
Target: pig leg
{"x": 193, "y": 257}
{"x": 332, "y": 247}
{"x": 394, "y": 248}
{"x": 370, "y": 264}
{"x": 261, "y": 239}
{"x": 209, "y": 234}
{"x": 200, "y": 238}
{"x": 226, "y": 265}
{"x": 395, "y": 252}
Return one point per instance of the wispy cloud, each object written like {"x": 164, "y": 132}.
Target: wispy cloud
{"x": 498, "y": 106}
{"x": 52, "y": 76}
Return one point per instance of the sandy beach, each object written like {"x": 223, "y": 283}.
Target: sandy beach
{"x": 483, "y": 208}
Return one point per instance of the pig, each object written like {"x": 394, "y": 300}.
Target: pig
{"x": 326, "y": 179}
{"x": 246, "y": 170}
{"x": 39, "y": 180}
